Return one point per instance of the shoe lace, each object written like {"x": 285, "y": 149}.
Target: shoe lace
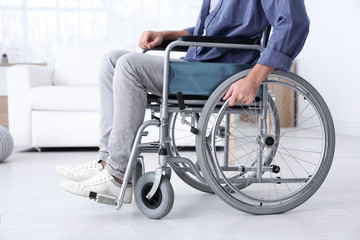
{"x": 88, "y": 165}
{"x": 101, "y": 177}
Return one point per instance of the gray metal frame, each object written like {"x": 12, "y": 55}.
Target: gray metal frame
{"x": 206, "y": 155}
{"x": 163, "y": 123}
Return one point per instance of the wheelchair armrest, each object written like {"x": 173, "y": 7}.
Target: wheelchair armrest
{"x": 210, "y": 39}
{"x": 163, "y": 46}
{"x": 233, "y": 40}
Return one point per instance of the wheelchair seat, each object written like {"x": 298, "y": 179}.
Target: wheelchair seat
{"x": 200, "y": 78}
{"x": 196, "y": 81}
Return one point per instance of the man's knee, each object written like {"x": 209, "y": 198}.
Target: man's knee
{"x": 141, "y": 70}
{"x": 128, "y": 62}
{"x": 129, "y": 58}
{"x": 112, "y": 56}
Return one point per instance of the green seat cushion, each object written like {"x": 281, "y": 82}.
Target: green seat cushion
{"x": 200, "y": 78}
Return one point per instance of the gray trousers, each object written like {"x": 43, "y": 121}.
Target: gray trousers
{"x": 124, "y": 79}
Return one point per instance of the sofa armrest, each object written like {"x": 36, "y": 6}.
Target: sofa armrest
{"x": 20, "y": 79}
{"x": 30, "y": 76}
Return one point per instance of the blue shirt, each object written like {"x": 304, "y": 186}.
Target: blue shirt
{"x": 248, "y": 18}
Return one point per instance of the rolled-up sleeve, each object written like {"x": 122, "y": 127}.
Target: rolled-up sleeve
{"x": 290, "y": 25}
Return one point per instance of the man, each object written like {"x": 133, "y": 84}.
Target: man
{"x": 125, "y": 77}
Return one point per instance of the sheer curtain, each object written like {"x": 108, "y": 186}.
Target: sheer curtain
{"x": 33, "y": 30}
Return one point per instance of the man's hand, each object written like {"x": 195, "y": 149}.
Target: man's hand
{"x": 245, "y": 90}
{"x": 150, "y": 39}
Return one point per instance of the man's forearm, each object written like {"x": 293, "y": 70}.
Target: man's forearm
{"x": 259, "y": 72}
{"x": 173, "y": 35}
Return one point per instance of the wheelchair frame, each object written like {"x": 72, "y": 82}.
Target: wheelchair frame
{"x": 209, "y": 167}
{"x": 164, "y": 113}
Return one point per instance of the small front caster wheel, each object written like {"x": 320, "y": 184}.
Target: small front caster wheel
{"x": 161, "y": 203}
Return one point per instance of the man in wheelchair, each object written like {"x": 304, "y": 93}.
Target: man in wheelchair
{"x": 125, "y": 78}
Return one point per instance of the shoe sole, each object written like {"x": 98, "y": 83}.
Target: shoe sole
{"x": 127, "y": 198}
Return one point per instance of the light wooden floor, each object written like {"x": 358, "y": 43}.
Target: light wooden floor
{"x": 32, "y": 206}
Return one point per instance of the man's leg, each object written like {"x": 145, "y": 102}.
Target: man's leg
{"x": 87, "y": 170}
{"x": 134, "y": 74}
{"x": 106, "y": 76}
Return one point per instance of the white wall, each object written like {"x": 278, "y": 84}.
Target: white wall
{"x": 330, "y": 59}
{"x": 33, "y": 31}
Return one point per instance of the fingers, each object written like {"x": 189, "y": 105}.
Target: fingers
{"x": 142, "y": 44}
{"x": 156, "y": 41}
{"x": 240, "y": 99}
{"x": 232, "y": 101}
{"x": 238, "y": 95}
{"x": 249, "y": 101}
{"x": 141, "y": 41}
{"x": 237, "y": 98}
{"x": 149, "y": 39}
{"x": 145, "y": 39}
{"x": 228, "y": 93}
{"x": 231, "y": 93}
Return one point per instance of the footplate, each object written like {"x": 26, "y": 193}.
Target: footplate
{"x": 102, "y": 198}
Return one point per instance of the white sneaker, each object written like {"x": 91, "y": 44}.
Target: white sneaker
{"x": 80, "y": 172}
{"x": 103, "y": 183}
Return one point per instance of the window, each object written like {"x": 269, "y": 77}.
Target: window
{"x": 33, "y": 30}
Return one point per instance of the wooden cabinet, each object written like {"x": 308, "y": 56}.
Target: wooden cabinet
{"x": 3, "y": 96}
{"x": 285, "y": 103}
{"x": 4, "y": 121}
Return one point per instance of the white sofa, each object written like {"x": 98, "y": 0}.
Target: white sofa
{"x": 56, "y": 106}
{"x": 59, "y": 106}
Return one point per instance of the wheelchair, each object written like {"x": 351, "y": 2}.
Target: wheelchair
{"x": 264, "y": 158}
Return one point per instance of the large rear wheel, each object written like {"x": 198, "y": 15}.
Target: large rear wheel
{"x": 277, "y": 157}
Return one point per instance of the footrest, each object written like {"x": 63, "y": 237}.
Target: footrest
{"x": 104, "y": 199}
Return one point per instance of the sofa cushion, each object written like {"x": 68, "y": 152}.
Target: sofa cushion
{"x": 65, "y": 129}
{"x": 78, "y": 65}
{"x": 65, "y": 98}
